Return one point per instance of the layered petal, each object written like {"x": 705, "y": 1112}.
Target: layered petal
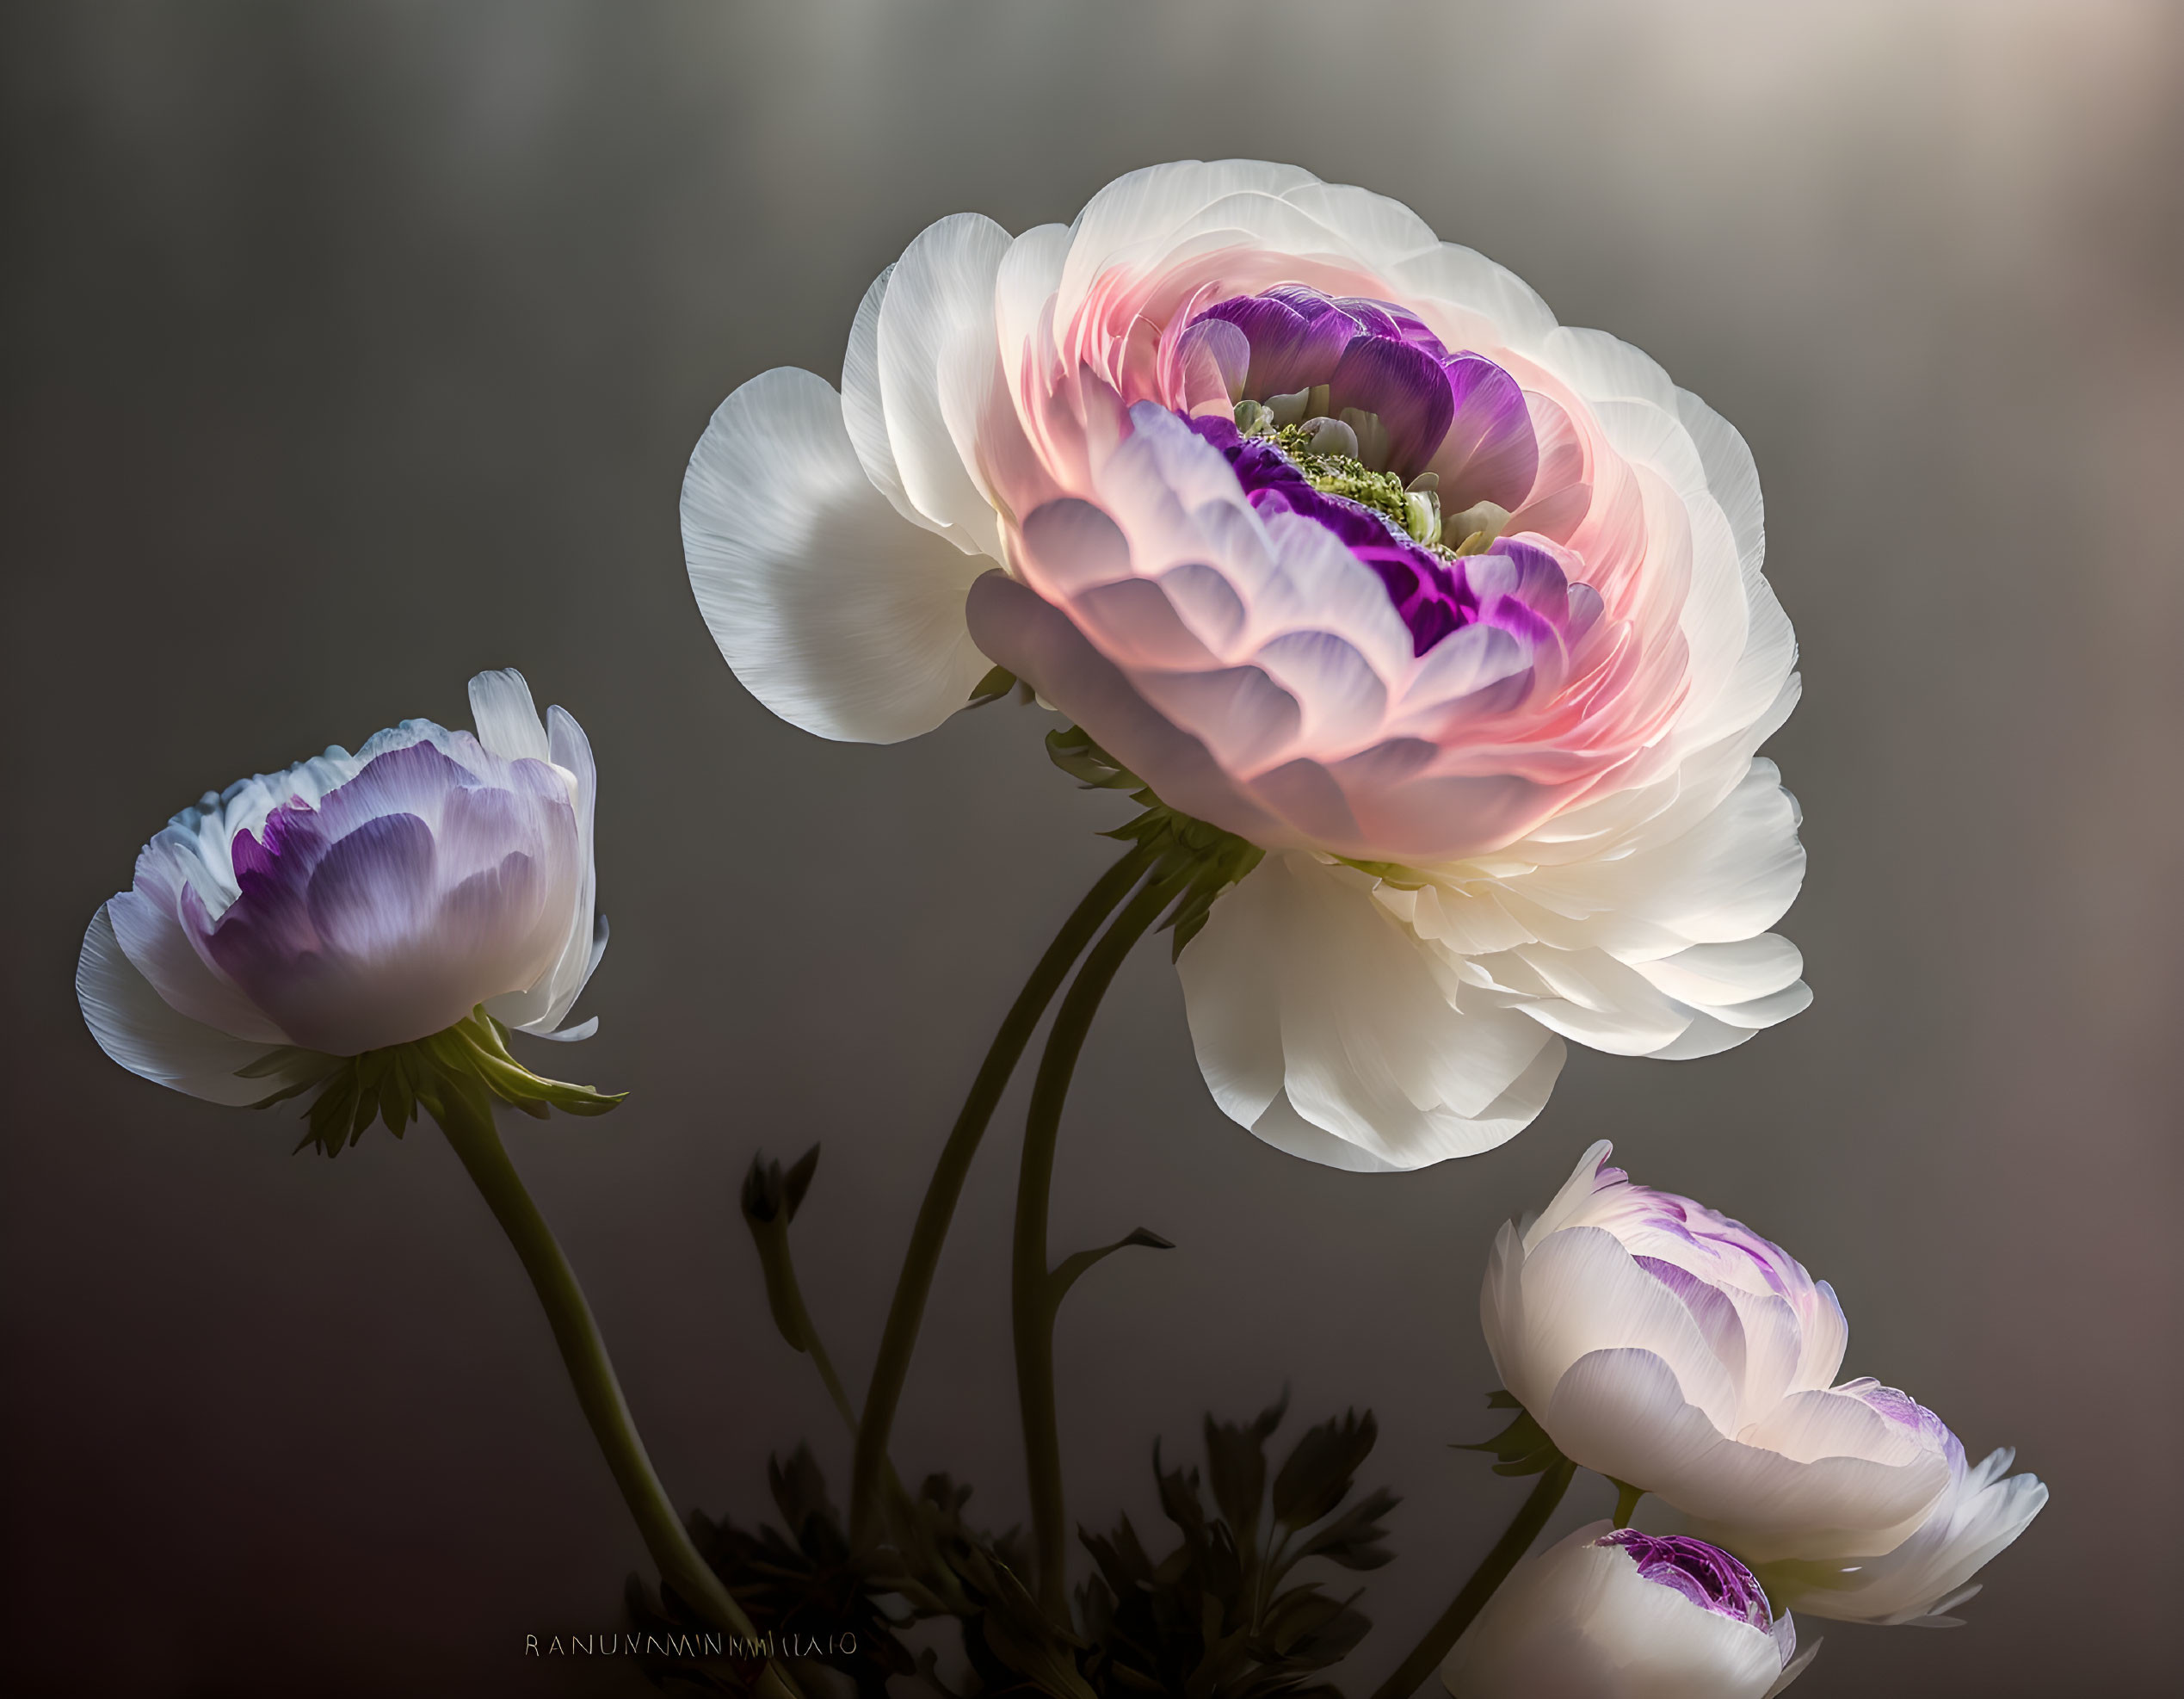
{"x": 1929, "y": 1574}
{"x": 148, "y": 1035}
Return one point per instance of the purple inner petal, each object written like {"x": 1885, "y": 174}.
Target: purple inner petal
{"x": 1291, "y": 350}
{"x": 1514, "y": 586}
{"x": 1405, "y": 387}
{"x": 1490, "y": 442}
{"x": 1705, "y": 1574}
{"x": 1461, "y": 410}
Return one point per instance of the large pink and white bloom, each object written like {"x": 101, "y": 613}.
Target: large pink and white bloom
{"x": 357, "y": 901}
{"x": 1615, "y": 1614}
{"x": 1325, "y": 529}
{"x": 1663, "y": 1344}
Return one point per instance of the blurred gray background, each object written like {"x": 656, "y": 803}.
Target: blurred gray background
{"x": 349, "y": 349}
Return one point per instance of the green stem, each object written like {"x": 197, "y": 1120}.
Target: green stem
{"x": 466, "y": 1117}
{"x": 785, "y": 1294}
{"x": 915, "y": 1284}
{"x": 1034, "y": 1297}
{"x": 1493, "y": 1570}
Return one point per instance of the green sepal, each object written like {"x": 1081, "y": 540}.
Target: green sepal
{"x": 1523, "y": 1447}
{"x": 993, "y": 688}
{"x": 394, "y": 1084}
{"x": 1181, "y": 846}
{"x": 1626, "y": 1500}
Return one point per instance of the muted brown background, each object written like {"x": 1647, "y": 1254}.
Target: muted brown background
{"x": 350, "y": 349}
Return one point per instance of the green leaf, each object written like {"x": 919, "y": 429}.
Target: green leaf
{"x": 1072, "y": 1268}
{"x": 1236, "y": 1466}
{"x": 1322, "y": 1467}
{"x": 1352, "y": 1540}
{"x": 797, "y": 1180}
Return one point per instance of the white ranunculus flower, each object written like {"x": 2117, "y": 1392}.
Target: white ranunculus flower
{"x": 1327, "y": 531}
{"x": 1664, "y": 1345}
{"x": 1608, "y": 1615}
{"x": 356, "y": 902}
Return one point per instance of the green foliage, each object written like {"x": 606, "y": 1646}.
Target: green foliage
{"x": 833, "y": 1609}
{"x": 1218, "y": 1617}
{"x": 469, "y": 1060}
{"x": 799, "y": 1583}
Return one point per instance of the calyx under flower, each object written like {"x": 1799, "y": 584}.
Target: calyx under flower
{"x": 1204, "y": 859}
{"x": 469, "y": 1059}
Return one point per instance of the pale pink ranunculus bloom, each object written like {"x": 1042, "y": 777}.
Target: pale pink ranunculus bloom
{"x": 1665, "y": 1345}
{"x": 1608, "y": 1614}
{"x": 1491, "y": 705}
{"x": 355, "y": 902}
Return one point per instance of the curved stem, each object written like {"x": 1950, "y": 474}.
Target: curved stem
{"x": 466, "y": 1117}
{"x": 786, "y": 1292}
{"x": 1032, "y": 1294}
{"x": 915, "y": 1284}
{"x": 1493, "y": 1570}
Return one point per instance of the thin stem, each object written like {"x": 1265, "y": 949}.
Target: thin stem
{"x": 1493, "y": 1570}
{"x": 466, "y": 1117}
{"x": 1034, "y": 1297}
{"x": 786, "y": 1292}
{"x": 915, "y": 1284}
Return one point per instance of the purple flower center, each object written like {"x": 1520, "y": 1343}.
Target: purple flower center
{"x": 1459, "y": 412}
{"x": 1705, "y": 1574}
{"x": 1514, "y": 587}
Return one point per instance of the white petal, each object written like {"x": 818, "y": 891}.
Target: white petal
{"x": 507, "y": 720}
{"x": 835, "y": 614}
{"x": 134, "y": 1026}
{"x": 1728, "y": 878}
{"x": 1030, "y": 272}
{"x": 148, "y": 924}
{"x": 1621, "y": 1413}
{"x": 1925, "y": 1576}
{"x": 1380, "y": 232}
{"x": 1602, "y": 367}
{"x": 1146, "y": 206}
{"x": 937, "y": 337}
{"x": 864, "y": 414}
{"x": 1733, "y": 476}
{"x": 542, "y": 1008}
{"x": 1796, "y": 1667}
{"x": 1709, "y": 974}
{"x": 1473, "y": 283}
{"x": 1580, "y": 1292}
{"x": 1309, "y": 1003}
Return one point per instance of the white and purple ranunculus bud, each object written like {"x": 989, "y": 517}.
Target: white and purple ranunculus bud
{"x": 1664, "y": 1345}
{"x": 1621, "y": 1614}
{"x": 356, "y": 902}
{"x": 1327, "y": 531}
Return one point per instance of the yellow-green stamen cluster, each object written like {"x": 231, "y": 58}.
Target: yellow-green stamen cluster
{"x": 1314, "y": 446}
